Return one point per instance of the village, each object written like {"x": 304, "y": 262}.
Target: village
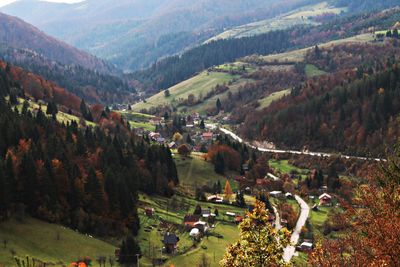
{"x": 198, "y": 217}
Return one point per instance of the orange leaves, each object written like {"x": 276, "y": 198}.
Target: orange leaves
{"x": 231, "y": 156}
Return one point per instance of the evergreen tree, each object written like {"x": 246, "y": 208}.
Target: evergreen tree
{"x": 219, "y": 164}
{"x": 128, "y": 251}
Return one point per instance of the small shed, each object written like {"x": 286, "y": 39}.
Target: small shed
{"x": 149, "y": 211}
{"x": 306, "y": 246}
{"x": 325, "y": 199}
{"x": 276, "y": 194}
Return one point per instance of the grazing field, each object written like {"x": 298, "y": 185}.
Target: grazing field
{"x": 283, "y": 166}
{"x": 299, "y": 54}
{"x": 265, "y": 102}
{"x": 313, "y": 71}
{"x": 169, "y": 213}
{"x": 301, "y": 16}
{"x": 200, "y": 84}
{"x": 195, "y": 171}
{"x": 48, "y": 242}
{"x": 317, "y": 219}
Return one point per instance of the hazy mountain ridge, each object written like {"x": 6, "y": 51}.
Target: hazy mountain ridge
{"x": 87, "y": 24}
{"x": 16, "y": 33}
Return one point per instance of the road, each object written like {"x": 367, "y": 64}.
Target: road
{"x": 279, "y": 151}
{"x": 305, "y": 210}
{"x": 278, "y": 225}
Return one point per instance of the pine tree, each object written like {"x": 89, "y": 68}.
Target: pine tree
{"x": 228, "y": 190}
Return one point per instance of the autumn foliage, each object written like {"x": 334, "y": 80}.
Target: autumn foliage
{"x": 373, "y": 235}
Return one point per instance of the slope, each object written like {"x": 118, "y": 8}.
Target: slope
{"x": 18, "y": 34}
{"x": 47, "y": 242}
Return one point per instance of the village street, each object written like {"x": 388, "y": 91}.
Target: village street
{"x": 305, "y": 210}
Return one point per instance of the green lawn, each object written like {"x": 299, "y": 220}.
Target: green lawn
{"x": 212, "y": 247}
{"x": 284, "y": 166}
{"x": 145, "y": 125}
{"x": 317, "y": 219}
{"x": 48, "y": 242}
{"x": 194, "y": 170}
{"x": 313, "y": 71}
{"x": 199, "y": 84}
{"x": 266, "y": 101}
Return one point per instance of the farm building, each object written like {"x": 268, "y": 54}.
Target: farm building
{"x": 170, "y": 242}
{"x": 149, "y": 211}
{"x": 190, "y": 220}
{"x": 325, "y": 199}
{"x": 276, "y": 194}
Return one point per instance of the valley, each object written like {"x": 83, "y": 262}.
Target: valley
{"x": 199, "y": 133}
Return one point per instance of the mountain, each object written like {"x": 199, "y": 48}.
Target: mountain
{"x": 16, "y": 33}
{"x": 134, "y": 34}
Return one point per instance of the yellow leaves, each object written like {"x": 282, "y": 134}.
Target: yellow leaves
{"x": 260, "y": 244}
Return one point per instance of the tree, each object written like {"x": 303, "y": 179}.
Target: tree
{"x": 202, "y": 125}
{"x": 177, "y": 137}
{"x": 218, "y": 105}
{"x": 259, "y": 243}
{"x": 184, "y": 150}
{"x": 372, "y": 238}
{"x": 228, "y": 190}
{"x": 219, "y": 164}
{"x": 197, "y": 210}
{"x": 128, "y": 251}
{"x": 240, "y": 199}
{"x": 167, "y": 93}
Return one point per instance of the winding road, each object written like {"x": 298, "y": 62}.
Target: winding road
{"x": 279, "y": 151}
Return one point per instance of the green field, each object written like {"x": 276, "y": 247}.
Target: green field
{"x": 48, "y": 242}
{"x": 61, "y": 117}
{"x": 284, "y": 166}
{"x": 313, "y": 71}
{"x": 195, "y": 171}
{"x": 317, "y": 219}
{"x": 200, "y": 84}
{"x": 151, "y": 232}
{"x": 266, "y": 101}
{"x": 299, "y": 54}
{"x": 301, "y": 16}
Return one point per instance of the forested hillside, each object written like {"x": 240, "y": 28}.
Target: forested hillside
{"x": 353, "y": 110}
{"x": 93, "y": 86}
{"x": 172, "y": 70}
{"x": 16, "y": 33}
{"x": 85, "y": 178}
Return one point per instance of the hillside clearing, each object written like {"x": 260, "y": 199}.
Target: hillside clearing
{"x": 313, "y": 71}
{"x": 266, "y": 101}
{"x": 200, "y": 84}
{"x": 48, "y": 242}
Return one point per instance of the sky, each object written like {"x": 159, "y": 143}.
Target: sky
{"x": 6, "y": 2}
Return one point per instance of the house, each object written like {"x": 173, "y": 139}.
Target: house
{"x": 153, "y": 136}
{"x": 205, "y": 213}
{"x": 325, "y": 199}
{"x": 170, "y": 242}
{"x": 208, "y": 136}
{"x": 261, "y": 182}
{"x": 230, "y": 214}
{"x": 315, "y": 207}
{"x": 149, "y": 211}
{"x": 238, "y": 219}
{"x": 214, "y": 198}
{"x": 202, "y": 226}
{"x": 275, "y": 194}
{"x": 160, "y": 140}
{"x": 245, "y": 167}
{"x": 306, "y": 246}
{"x": 190, "y": 220}
{"x": 289, "y": 195}
{"x": 195, "y": 234}
{"x": 172, "y": 145}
